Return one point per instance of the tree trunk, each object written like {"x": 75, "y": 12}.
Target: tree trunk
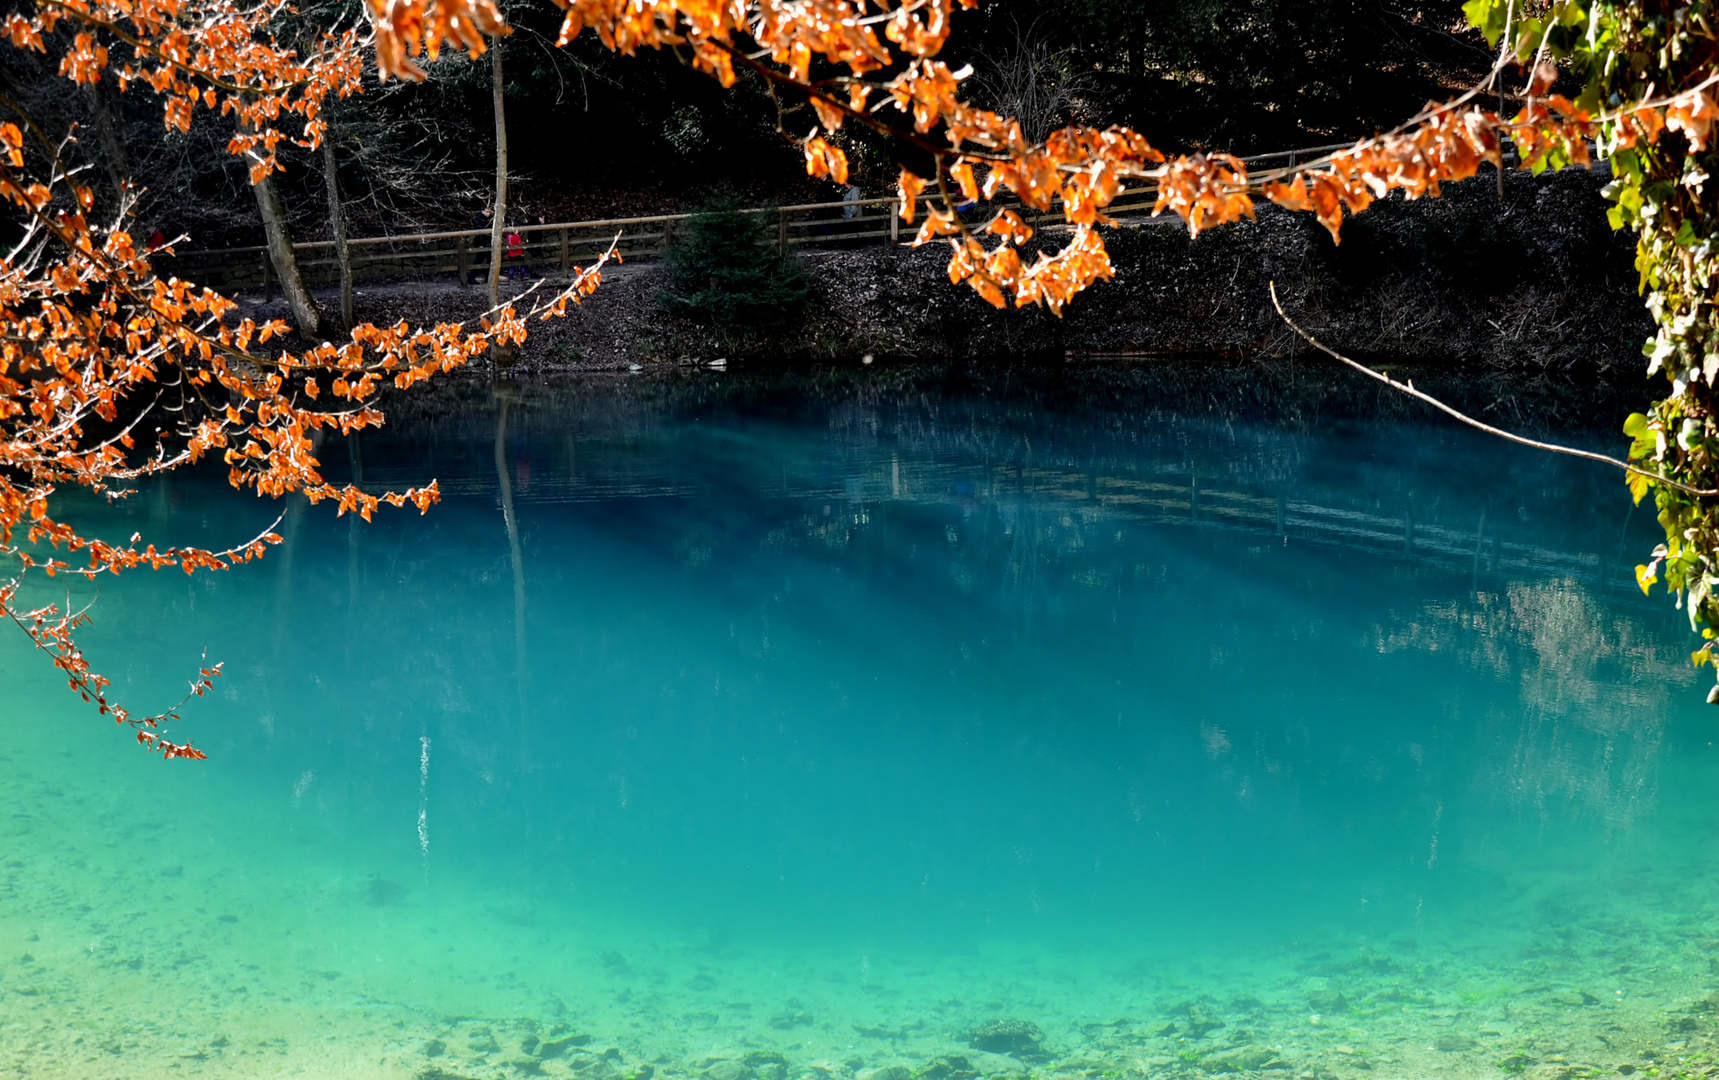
{"x": 304, "y": 310}
{"x": 497, "y": 224}
{"x": 112, "y": 149}
{"x": 337, "y": 221}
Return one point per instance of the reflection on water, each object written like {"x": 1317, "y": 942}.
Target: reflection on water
{"x": 1592, "y": 685}
{"x": 787, "y": 728}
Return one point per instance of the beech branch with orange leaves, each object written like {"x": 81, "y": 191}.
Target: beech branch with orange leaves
{"x": 111, "y": 374}
{"x": 87, "y": 323}
{"x": 985, "y": 156}
{"x": 1647, "y": 73}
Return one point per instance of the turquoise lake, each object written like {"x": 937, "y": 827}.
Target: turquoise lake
{"x": 882, "y": 727}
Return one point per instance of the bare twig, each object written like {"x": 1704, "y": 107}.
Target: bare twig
{"x": 1409, "y": 389}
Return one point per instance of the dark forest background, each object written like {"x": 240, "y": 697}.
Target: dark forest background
{"x": 593, "y": 134}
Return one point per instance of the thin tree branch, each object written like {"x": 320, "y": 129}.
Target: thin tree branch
{"x": 1409, "y": 389}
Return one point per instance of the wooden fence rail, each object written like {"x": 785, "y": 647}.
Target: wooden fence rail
{"x": 554, "y": 249}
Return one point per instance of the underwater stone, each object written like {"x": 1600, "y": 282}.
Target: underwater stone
{"x": 1006, "y": 1037}
{"x": 1574, "y": 997}
{"x": 949, "y": 1067}
{"x": 1326, "y": 999}
{"x": 554, "y": 1048}
{"x": 884, "y": 1072}
{"x": 1451, "y": 1042}
{"x": 1203, "y": 1018}
{"x": 434, "y": 1048}
{"x": 1240, "y": 1059}
{"x": 729, "y": 1070}
{"x": 786, "y": 1021}
{"x": 482, "y": 1040}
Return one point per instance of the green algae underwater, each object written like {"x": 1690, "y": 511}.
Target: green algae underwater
{"x": 890, "y": 728}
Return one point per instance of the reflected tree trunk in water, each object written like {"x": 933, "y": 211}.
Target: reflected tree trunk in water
{"x": 355, "y": 456}
{"x": 513, "y": 550}
{"x": 297, "y": 509}
{"x": 355, "y": 459}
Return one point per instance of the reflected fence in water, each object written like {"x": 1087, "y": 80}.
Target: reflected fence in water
{"x": 1093, "y": 499}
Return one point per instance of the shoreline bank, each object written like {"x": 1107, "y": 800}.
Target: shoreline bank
{"x": 1534, "y": 284}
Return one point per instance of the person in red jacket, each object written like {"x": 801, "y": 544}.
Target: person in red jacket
{"x": 515, "y": 253}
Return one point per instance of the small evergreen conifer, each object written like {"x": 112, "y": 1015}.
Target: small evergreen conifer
{"x": 724, "y": 270}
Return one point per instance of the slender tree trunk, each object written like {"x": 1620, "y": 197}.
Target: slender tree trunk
{"x": 498, "y": 221}
{"x": 112, "y": 149}
{"x": 337, "y": 220}
{"x": 304, "y": 311}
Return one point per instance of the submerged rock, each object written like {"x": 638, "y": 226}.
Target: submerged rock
{"x": 434, "y": 1048}
{"x": 1573, "y": 997}
{"x": 1322, "y": 997}
{"x": 554, "y": 1048}
{"x": 482, "y": 1041}
{"x": 1203, "y": 1018}
{"x": 729, "y": 1070}
{"x": 766, "y": 1065}
{"x": 949, "y": 1067}
{"x": 1453, "y": 1041}
{"x": 885, "y": 1072}
{"x": 1240, "y": 1059}
{"x": 1006, "y": 1037}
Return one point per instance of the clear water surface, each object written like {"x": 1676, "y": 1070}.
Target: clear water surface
{"x": 801, "y": 728}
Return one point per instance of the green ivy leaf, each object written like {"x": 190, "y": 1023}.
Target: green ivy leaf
{"x": 1487, "y": 16}
{"x": 1638, "y": 487}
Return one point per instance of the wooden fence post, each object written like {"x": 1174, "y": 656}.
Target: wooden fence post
{"x": 894, "y": 227}
{"x": 462, "y": 257}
